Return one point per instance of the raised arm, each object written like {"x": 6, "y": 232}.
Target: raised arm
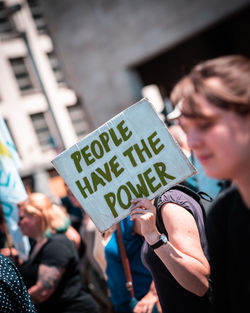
{"x": 182, "y": 255}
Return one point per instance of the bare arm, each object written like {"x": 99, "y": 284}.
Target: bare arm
{"x": 146, "y": 304}
{"x": 47, "y": 282}
{"x": 74, "y": 236}
{"x": 182, "y": 255}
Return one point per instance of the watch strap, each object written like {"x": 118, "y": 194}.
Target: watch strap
{"x": 163, "y": 240}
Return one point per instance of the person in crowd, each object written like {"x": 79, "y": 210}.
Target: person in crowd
{"x": 51, "y": 273}
{"x": 175, "y": 250}
{"x": 70, "y": 233}
{"x": 73, "y": 209}
{"x": 94, "y": 264}
{"x": 181, "y": 138}
{"x": 92, "y": 274}
{"x": 215, "y": 114}
{"x": 200, "y": 181}
{"x": 14, "y": 296}
{"x": 142, "y": 280}
{"x": 73, "y": 235}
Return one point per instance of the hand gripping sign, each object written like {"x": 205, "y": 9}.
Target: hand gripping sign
{"x": 132, "y": 155}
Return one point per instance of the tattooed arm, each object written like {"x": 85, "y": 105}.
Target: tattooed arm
{"x": 47, "y": 282}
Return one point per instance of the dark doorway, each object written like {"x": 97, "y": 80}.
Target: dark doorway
{"x": 230, "y": 35}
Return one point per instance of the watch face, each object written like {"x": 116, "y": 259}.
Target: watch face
{"x": 164, "y": 238}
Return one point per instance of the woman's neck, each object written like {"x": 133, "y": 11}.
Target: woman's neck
{"x": 40, "y": 241}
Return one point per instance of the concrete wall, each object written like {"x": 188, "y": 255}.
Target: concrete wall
{"x": 98, "y": 41}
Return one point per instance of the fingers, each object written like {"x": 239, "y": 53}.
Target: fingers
{"x": 150, "y": 308}
{"x": 137, "y": 213}
{"x": 144, "y": 307}
{"x": 137, "y": 202}
{"x": 141, "y": 309}
{"x": 141, "y": 203}
{"x": 140, "y": 207}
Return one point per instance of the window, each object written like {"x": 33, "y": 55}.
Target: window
{"x": 6, "y": 27}
{"x": 56, "y": 67}
{"x": 42, "y": 131}
{"x": 22, "y": 71}
{"x": 38, "y": 17}
{"x": 78, "y": 119}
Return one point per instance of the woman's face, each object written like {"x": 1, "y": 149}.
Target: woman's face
{"x": 29, "y": 224}
{"x": 220, "y": 139}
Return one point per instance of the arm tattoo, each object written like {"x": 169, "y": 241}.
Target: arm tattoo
{"x": 47, "y": 282}
{"x": 49, "y": 276}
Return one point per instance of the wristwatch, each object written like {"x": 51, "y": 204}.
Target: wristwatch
{"x": 162, "y": 241}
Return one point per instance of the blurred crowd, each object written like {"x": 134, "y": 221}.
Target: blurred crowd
{"x": 169, "y": 255}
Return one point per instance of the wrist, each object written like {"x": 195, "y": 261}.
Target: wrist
{"x": 153, "y": 237}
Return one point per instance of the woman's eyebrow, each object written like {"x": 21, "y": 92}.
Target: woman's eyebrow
{"x": 198, "y": 115}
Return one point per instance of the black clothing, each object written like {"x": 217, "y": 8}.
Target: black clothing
{"x": 69, "y": 295}
{"x": 75, "y": 213}
{"x": 228, "y": 233}
{"x": 173, "y": 297}
{"x": 14, "y": 295}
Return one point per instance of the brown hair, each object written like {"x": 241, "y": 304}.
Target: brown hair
{"x": 232, "y": 92}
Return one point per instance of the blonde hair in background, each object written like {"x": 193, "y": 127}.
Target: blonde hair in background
{"x": 53, "y": 217}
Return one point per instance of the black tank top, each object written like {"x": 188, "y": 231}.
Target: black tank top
{"x": 173, "y": 297}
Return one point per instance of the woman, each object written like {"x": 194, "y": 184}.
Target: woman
{"x": 215, "y": 114}
{"x": 51, "y": 273}
{"x": 176, "y": 250}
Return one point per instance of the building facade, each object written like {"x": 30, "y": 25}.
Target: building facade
{"x": 43, "y": 114}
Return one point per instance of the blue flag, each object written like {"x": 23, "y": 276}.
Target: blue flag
{"x": 12, "y": 190}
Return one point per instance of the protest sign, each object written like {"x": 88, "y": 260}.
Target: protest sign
{"x": 132, "y": 155}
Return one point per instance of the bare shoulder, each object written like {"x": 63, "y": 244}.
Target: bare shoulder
{"x": 175, "y": 216}
{"x": 181, "y": 227}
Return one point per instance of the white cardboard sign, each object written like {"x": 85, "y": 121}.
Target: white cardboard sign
{"x": 132, "y": 155}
